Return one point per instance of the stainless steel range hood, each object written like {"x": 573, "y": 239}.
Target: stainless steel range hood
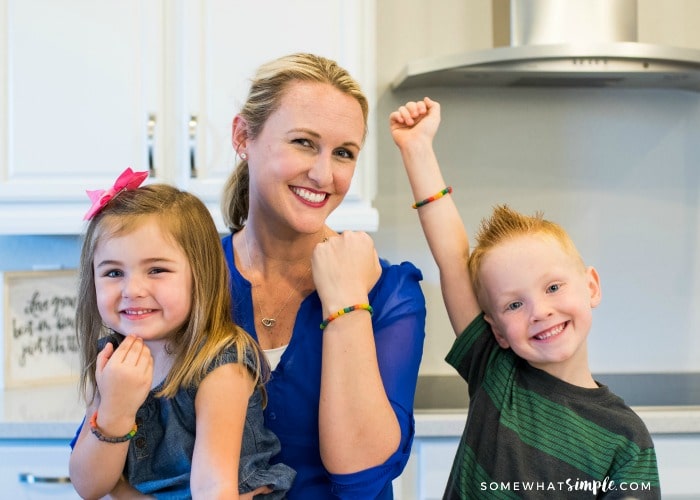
{"x": 563, "y": 43}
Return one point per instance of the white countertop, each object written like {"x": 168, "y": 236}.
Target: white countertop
{"x": 54, "y": 412}
{"x": 48, "y": 412}
{"x": 658, "y": 419}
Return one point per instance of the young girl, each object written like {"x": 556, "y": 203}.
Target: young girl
{"x": 174, "y": 389}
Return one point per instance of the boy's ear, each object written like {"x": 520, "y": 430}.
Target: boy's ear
{"x": 594, "y": 286}
{"x": 496, "y": 332}
{"x": 239, "y": 133}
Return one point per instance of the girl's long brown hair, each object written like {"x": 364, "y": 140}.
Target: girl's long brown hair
{"x": 210, "y": 326}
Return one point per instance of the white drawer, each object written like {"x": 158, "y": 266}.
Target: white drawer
{"x": 32, "y": 470}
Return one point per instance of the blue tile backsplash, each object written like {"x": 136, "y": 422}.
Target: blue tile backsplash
{"x": 25, "y": 253}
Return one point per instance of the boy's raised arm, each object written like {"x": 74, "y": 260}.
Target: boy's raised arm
{"x": 413, "y": 127}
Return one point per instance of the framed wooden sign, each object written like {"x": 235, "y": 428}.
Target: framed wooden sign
{"x": 40, "y": 339}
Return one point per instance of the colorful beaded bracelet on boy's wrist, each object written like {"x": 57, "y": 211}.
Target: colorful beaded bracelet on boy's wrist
{"x": 96, "y": 431}
{"x": 346, "y": 310}
{"x": 447, "y": 190}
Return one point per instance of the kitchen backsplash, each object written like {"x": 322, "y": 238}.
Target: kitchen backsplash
{"x": 618, "y": 168}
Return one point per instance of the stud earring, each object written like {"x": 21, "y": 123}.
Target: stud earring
{"x": 244, "y": 156}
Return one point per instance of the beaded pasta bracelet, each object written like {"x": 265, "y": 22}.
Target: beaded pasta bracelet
{"x": 346, "y": 310}
{"x": 447, "y": 190}
{"x": 96, "y": 431}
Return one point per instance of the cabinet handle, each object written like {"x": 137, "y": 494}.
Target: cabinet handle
{"x": 151, "y": 132}
{"x": 29, "y": 478}
{"x": 193, "y": 146}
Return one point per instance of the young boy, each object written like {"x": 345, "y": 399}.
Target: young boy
{"x": 539, "y": 425}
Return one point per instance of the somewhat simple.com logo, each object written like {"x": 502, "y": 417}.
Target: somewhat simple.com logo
{"x": 595, "y": 487}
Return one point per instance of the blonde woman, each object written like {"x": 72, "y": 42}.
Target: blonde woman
{"x": 343, "y": 329}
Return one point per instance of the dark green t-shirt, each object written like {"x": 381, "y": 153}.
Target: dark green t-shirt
{"x": 531, "y": 435}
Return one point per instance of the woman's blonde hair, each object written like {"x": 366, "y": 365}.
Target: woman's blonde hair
{"x": 266, "y": 93}
{"x": 209, "y": 327}
{"x": 505, "y": 224}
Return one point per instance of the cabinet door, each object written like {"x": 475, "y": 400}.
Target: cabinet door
{"x": 428, "y": 468}
{"x": 34, "y": 470}
{"x": 679, "y": 463}
{"x": 89, "y": 87}
{"x": 79, "y": 80}
{"x": 223, "y": 42}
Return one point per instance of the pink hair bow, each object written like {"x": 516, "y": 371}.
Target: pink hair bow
{"x": 127, "y": 180}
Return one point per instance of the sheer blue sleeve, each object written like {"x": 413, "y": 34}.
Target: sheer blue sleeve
{"x": 399, "y": 332}
{"x": 77, "y": 433}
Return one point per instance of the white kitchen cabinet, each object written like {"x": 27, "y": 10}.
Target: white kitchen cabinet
{"x": 679, "y": 463}
{"x": 427, "y": 470}
{"x": 78, "y": 81}
{"x": 35, "y": 470}
{"x": 89, "y": 87}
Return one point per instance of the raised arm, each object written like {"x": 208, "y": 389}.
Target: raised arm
{"x": 413, "y": 127}
{"x": 370, "y": 363}
{"x": 357, "y": 426}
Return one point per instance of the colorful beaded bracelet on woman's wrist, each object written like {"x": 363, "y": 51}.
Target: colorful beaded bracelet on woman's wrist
{"x": 345, "y": 310}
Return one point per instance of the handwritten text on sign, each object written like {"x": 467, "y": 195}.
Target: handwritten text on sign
{"x": 40, "y": 344}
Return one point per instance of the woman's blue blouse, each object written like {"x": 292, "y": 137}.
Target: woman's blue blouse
{"x": 294, "y": 388}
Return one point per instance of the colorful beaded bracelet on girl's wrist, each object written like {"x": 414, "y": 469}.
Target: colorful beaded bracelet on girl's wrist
{"x": 447, "y": 190}
{"x": 96, "y": 431}
{"x": 346, "y": 310}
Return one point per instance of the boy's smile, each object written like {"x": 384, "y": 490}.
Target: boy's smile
{"x": 539, "y": 302}
{"x": 551, "y": 332}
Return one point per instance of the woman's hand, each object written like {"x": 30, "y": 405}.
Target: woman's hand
{"x": 345, "y": 268}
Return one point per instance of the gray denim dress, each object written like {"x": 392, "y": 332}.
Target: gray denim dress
{"x": 159, "y": 460}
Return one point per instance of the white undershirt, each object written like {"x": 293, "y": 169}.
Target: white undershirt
{"x": 274, "y": 355}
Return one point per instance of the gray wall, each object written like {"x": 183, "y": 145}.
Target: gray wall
{"x": 618, "y": 168}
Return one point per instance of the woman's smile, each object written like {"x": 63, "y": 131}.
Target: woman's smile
{"x": 309, "y": 196}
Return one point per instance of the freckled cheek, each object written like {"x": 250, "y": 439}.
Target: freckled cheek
{"x": 183, "y": 306}
{"x": 103, "y": 295}
{"x": 342, "y": 179}
{"x": 105, "y": 308}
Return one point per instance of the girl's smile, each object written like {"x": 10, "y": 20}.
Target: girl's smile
{"x": 143, "y": 282}
{"x": 137, "y": 314}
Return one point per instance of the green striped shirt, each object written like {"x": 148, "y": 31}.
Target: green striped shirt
{"x": 531, "y": 435}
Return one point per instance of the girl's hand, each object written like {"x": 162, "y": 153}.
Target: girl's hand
{"x": 345, "y": 268}
{"x": 415, "y": 121}
{"x": 124, "y": 491}
{"x": 263, "y": 490}
{"x": 124, "y": 377}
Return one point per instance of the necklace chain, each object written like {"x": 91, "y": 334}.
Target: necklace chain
{"x": 269, "y": 322}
